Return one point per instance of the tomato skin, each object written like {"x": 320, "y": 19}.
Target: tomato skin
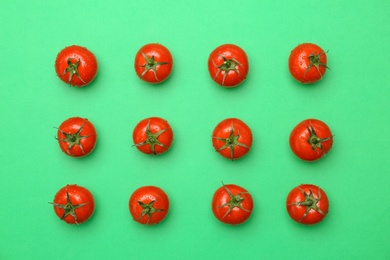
{"x": 80, "y": 200}
{"x": 228, "y": 65}
{"x": 156, "y": 66}
{"x": 240, "y": 209}
{"x": 305, "y": 214}
{"x": 86, "y": 70}
{"x": 149, "y": 205}
{"x": 84, "y": 133}
{"x": 307, "y": 63}
{"x": 300, "y": 136}
{"x": 153, "y": 135}
{"x": 232, "y": 138}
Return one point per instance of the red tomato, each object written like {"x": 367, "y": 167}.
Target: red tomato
{"x": 153, "y": 63}
{"x": 307, "y": 63}
{"x": 74, "y": 204}
{"x": 149, "y": 205}
{"x": 311, "y": 139}
{"x": 153, "y": 135}
{"x": 307, "y": 204}
{"x": 77, "y": 137}
{"x": 232, "y": 204}
{"x": 232, "y": 138}
{"x": 76, "y": 66}
{"x": 228, "y": 65}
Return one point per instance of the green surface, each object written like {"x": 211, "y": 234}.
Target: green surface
{"x": 352, "y": 99}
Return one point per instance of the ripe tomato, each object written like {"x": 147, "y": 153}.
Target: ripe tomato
{"x": 153, "y": 135}
{"x": 153, "y": 63}
{"x": 311, "y": 139}
{"x": 232, "y": 204}
{"x": 232, "y": 138}
{"x": 307, "y": 63}
{"x": 228, "y": 65}
{"x": 149, "y": 205}
{"x": 76, "y": 66}
{"x": 76, "y": 136}
{"x": 73, "y": 204}
{"x": 307, "y": 204}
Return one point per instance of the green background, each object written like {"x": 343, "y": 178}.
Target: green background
{"x": 352, "y": 99}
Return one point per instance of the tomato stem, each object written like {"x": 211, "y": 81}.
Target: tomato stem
{"x": 314, "y": 140}
{"x": 151, "y": 64}
{"x": 231, "y": 141}
{"x": 69, "y": 208}
{"x": 310, "y": 203}
{"x": 73, "y": 139}
{"x": 315, "y": 60}
{"x": 148, "y": 209}
{"x": 73, "y": 70}
{"x": 152, "y": 139}
{"x": 235, "y": 201}
{"x": 227, "y": 66}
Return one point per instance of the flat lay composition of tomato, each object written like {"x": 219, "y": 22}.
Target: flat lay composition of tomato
{"x": 153, "y": 63}
{"x": 149, "y": 205}
{"x": 76, "y": 66}
{"x": 307, "y": 204}
{"x": 74, "y": 204}
{"x": 228, "y": 65}
{"x": 232, "y": 138}
{"x": 311, "y": 139}
{"x": 77, "y": 137}
{"x": 232, "y": 204}
{"x": 153, "y": 135}
{"x": 307, "y": 63}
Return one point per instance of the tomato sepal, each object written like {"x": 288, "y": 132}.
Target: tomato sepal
{"x": 307, "y": 204}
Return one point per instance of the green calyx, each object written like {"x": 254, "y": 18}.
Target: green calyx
{"x": 231, "y": 142}
{"x": 152, "y": 139}
{"x": 315, "y": 60}
{"x": 315, "y": 141}
{"x": 69, "y": 208}
{"x": 73, "y": 70}
{"x": 73, "y": 139}
{"x": 235, "y": 201}
{"x": 148, "y": 210}
{"x": 310, "y": 203}
{"x": 151, "y": 64}
{"x": 227, "y": 66}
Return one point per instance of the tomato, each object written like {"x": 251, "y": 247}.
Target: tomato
{"x": 73, "y": 204}
{"x": 232, "y": 138}
{"x": 228, "y": 65}
{"x": 153, "y": 63}
{"x": 153, "y": 135}
{"x": 307, "y": 204}
{"x": 77, "y": 136}
{"x": 311, "y": 139}
{"x": 149, "y": 205}
{"x": 76, "y": 66}
{"x": 307, "y": 63}
{"x": 232, "y": 204}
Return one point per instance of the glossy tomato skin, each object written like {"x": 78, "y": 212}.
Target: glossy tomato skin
{"x": 307, "y": 63}
{"x": 76, "y": 66}
{"x": 228, "y": 65}
{"x": 307, "y": 204}
{"x": 153, "y": 135}
{"x": 149, "y": 205}
{"x": 153, "y": 63}
{"x": 77, "y": 137}
{"x": 74, "y": 204}
{"x": 232, "y": 138}
{"x": 232, "y": 204}
{"x": 311, "y": 139}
